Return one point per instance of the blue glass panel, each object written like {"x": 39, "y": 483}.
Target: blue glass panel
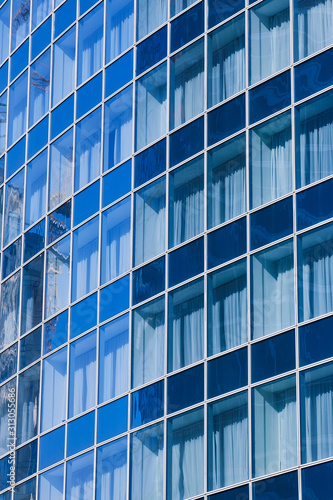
{"x": 15, "y": 157}
{"x": 35, "y": 201}
{"x": 9, "y": 310}
{"x": 2, "y": 171}
{"x": 147, "y": 404}
{"x": 151, "y": 50}
{"x": 114, "y": 298}
{"x": 186, "y": 142}
{"x": 32, "y": 294}
{"x": 5, "y": 30}
{"x": 11, "y": 258}
{"x": 30, "y": 348}
{"x": 317, "y": 482}
{"x": 26, "y": 460}
{"x": 41, "y": 38}
{"x": 4, "y": 471}
{"x": 186, "y": 262}
{"x": 40, "y": 9}
{"x": 88, "y": 149}
{"x": 86, "y": 203}
{"x": 119, "y": 73}
{"x": 117, "y": 183}
{"x": 13, "y": 216}
{"x": 226, "y": 119}
{"x": 269, "y": 97}
{"x": 227, "y": 373}
{"x": 119, "y": 27}
{"x": 80, "y": 433}
{"x": 85, "y": 5}
{"x": 8, "y": 494}
{"x": 112, "y": 470}
{"x": 89, "y": 95}
{"x": 314, "y": 75}
{"x": 55, "y": 332}
{"x": 273, "y": 356}
{"x": 80, "y": 477}
{"x": 8, "y": 363}
{"x": 3, "y": 77}
{"x": 271, "y": 223}
{"x": 61, "y": 169}
{"x": 64, "y": 17}
{"x": 112, "y": 419}
{"x": 3, "y": 125}
{"x": 148, "y": 280}
{"x": 241, "y": 493}
{"x": 52, "y": 447}
{"x": 177, "y": 6}
{"x": 39, "y": 99}
{"x": 316, "y": 341}
{"x": 38, "y": 137}
{"x": 51, "y": 484}
{"x": 83, "y": 315}
{"x": 19, "y": 60}
{"x": 90, "y": 44}
{"x": 188, "y": 26}
{"x": 149, "y": 163}
{"x": 64, "y": 65}
{"x": 235, "y": 235}
{"x": 219, "y": 11}
{"x": 26, "y": 491}
{"x": 17, "y": 110}
{"x": 62, "y": 117}
{"x": 59, "y": 222}
{"x": 185, "y": 388}
{"x": 150, "y": 14}
{"x": 314, "y": 205}
{"x": 284, "y": 487}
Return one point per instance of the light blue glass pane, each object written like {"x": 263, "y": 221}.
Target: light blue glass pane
{"x": 39, "y": 87}
{"x": 63, "y": 65}
{"x": 88, "y": 149}
{"x": 13, "y": 217}
{"x": 90, "y": 49}
{"x": 228, "y": 454}
{"x": 148, "y": 339}
{"x": 270, "y": 160}
{"x": 7, "y": 395}
{"x": 64, "y": 16}
{"x": 114, "y": 298}
{"x": 113, "y": 358}
{"x": 112, "y": 419}
{"x": 3, "y": 76}
{"x": 151, "y": 50}
{"x": 60, "y": 169}
{"x": 187, "y": 27}
{"x": 16, "y": 157}
{"x": 117, "y": 183}
{"x": 51, "y": 484}
{"x": 151, "y": 106}
{"x": 59, "y": 222}
{"x": 27, "y": 404}
{"x": 40, "y": 9}
{"x": 20, "y": 22}
{"x": 86, "y": 203}
{"x": 85, "y": 259}
{"x": 147, "y": 404}
{"x": 112, "y": 467}
{"x": 8, "y": 363}
{"x": 26, "y": 460}
{"x": 116, "y": 242}
{"x": 314, "y": 152}
{"x": 315, "y": 260}
{"x": 32, "y": 294}
{"x": 38, "y": 137}
{"x": 4, "y": 30}
{"x": 150, "y": 14}
{"x": 146, "y": 457}
{"x": 185, "y": 388}
{"x": 227, "y": 309}
{"x": 149, "y": 280}
{"x": 118, "y": 128}
{"x": 119, "y": 73}
{"x": 82, "y": 374}
{"x": 226, "y": 74}
{"x": 186, "y": 324}
{"x": 30, "y": 348}
{"x": 119, "y": 27}
{"x": 55, "y": 332}
{"x": 62, "y": 117}
{"x": 17, "y": 114}
{"x": 80, "y": 473}
{"x": 186, "y": 201}
{"x": 187, "y": 84}
{"x": 186, "y": 441}
{"x": 19, "y": 60}
{"x": 178, "y": 5}
{"x": 269, "y": 39}
{"x": 52, "y": 447}
{"x": 54, "y": 390}
{"x": 3, "y": 122}
{"x": 57, "y": 277}
{"x": 272, "y": 290}
{"x": 149, "y": 210}
{"x": 35, "y": 202}
{"x": 80, "y": 433}
{"x": 89, "y": 95}
{"x": 274, "y": 426}
{"x": 41, "y": 38}
{"x": 9, "y": 310}
{"x": 84, "y": 315}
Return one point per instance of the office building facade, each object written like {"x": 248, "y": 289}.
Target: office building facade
{"x": 166, "y": 186}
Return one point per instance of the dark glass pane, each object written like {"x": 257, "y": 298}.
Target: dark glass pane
{"x": 62, "y": 117}
{"x": 38, "y": 137}
{"x": 34, "y": 240}
{"x": 26, "y": 460}
{"x": 59, "y": 222}
{"x": 83, "y": 315}
{"x": 89, "y": 95}
{"x": 316, "y": 341}
{"x": 80, "y": 433}
{"x": 188, "y": 26}
{"x": 52, "y": 447}
{"x": 55, "y": 332}
{"x": 284, "y": 487}
{"x": 64, "y": 17}
{"x": 41, "y": 38}
{"x": 19, "y": 60}
{"x": 227, "y": 373}
{"x": 147, "y": 404}
{"x": 30, "y": 348}
{"x": 317, "y": 482}
{"x": 241, "y": 493}
{"x": 148, "y": 280}
{"x": 273, "y": 356}
{"x": 235, "y": 236}
{"x": 119, "y": 73}
{"x": 86, "y": 203}
{"x": 11, "y": 258}
{"x": 226, "y": 119}
{"x": 314, "y": 75}
{"x": 314, "y": 205}
{"x": 186, "y": 262}
{"x": 186, "y": 142}
{"x": 151, "y": 50}
{"x": 114, "y": 298}
{"x": 8, "y": 363}
{"x": 271, "y": 223}
{"x": 112, "y": 419}
{"x": 15, "y": 157}
{"x": 3, "y": 77}
{"x": 219, "y": 11}
{"x": 117, "y": 183}
{"x": 269, "y": 97}
{"x": 26, "y": 491}
{"x": 4, "y": 471}
{"x": 185, "y": 388}
{"x": 149, "y": 163}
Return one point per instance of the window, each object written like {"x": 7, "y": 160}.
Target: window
{"x": 57, "y": 277}
{"x": 17, "y": 114}
{"x": 150, "y": 14}
{"x": 119, "y": 27}
{"x": 88, "y": 149}
{"x": 39, "y": 88}
{"x": 313, "y": 20}
{"x": 35, "y": 202}
{"x": 61, "y": 166}
{"x": 54, "y": 391}
{"x": 63, "y": 66}
{"x": 90, "y": 49}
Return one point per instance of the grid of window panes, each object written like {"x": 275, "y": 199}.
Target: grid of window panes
{"x": 166, "y": 181}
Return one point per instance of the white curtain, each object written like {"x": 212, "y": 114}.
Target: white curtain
{"x": 114, "y": 364}
{"x": 54, "y": 390}
{"x": 63, "y": 66}
{"x": 85, "y": 265}
{"x": 228, "y": 71}
{"x": 83, "y": 377}
{"x": 121, "y": 30}
{"x": 92, "y": 54}
{"x": 113, "y": 483}
{"x": 117, "y": 250}
{"x": 318, "y": 426}
{"x": 151, "y": 13}
{"x": 316, "y": 147}
{"x": 88, "y": 160}
{"x": 188, "y": 94}
{"x": 188, "y": 210}
{"x": 4, "y": 31}
{"x": 314, "y": 26}
{"x": 41, "y": 9}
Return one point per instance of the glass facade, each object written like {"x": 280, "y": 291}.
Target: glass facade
{"x": 166, "y": 250}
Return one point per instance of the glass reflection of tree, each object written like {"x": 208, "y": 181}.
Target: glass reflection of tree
{"x": 20, "y": 16}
